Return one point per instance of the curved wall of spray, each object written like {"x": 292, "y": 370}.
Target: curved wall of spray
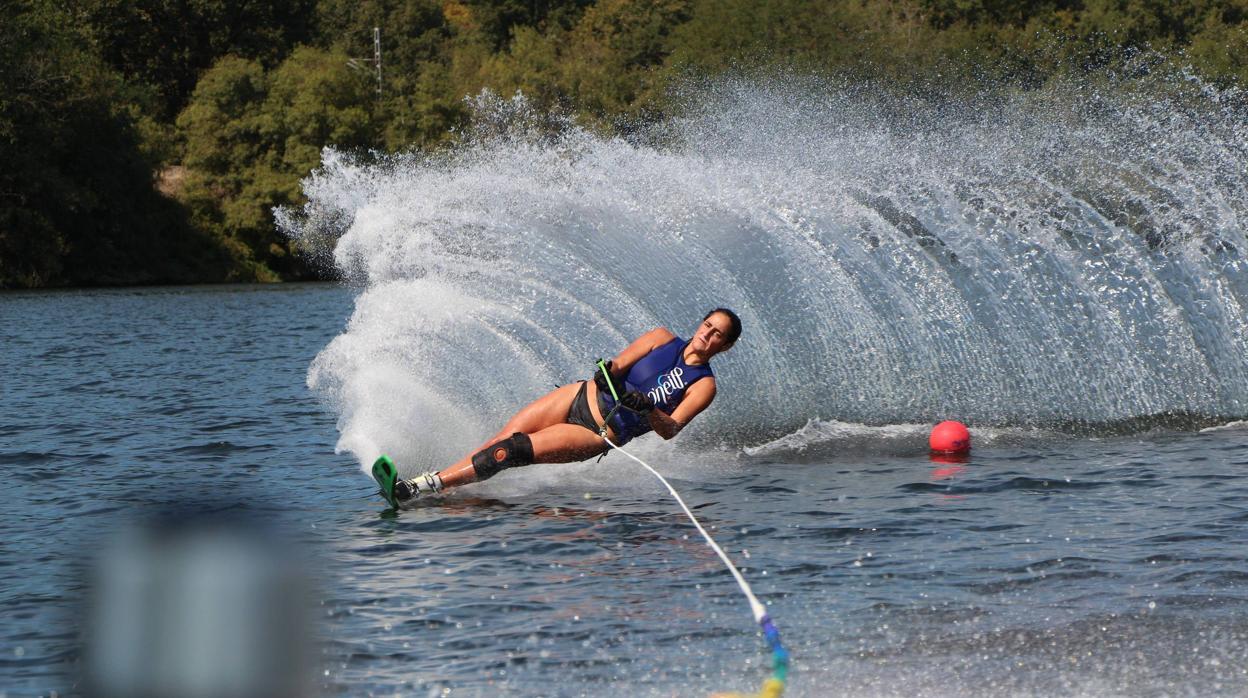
{"x": 1057, "y": 257}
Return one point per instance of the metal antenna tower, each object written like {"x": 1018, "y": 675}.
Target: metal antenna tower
{"x": 377, "y": 57}
{"x": 354, "y": 63}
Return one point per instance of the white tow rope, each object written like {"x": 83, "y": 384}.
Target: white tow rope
{"x": 755, "y": 606}
{"x": 774, "y": 685}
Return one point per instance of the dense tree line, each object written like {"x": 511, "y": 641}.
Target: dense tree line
{"x": 146, "y": 141}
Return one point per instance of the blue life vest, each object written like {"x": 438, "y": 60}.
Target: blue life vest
{"x": 663, "y": 376}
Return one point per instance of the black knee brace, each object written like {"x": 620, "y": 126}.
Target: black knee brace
{"x": 513, "y": 451}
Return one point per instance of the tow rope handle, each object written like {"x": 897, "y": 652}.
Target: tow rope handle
{"x": 602, "y": 432}
{"x": 602, "y": 366}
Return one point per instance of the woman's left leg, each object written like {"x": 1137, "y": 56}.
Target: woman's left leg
{"x": 558, "y": 443}
{"x": 548, "y": 411}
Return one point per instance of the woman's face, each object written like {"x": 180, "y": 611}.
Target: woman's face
{"x": 710, "y": 337}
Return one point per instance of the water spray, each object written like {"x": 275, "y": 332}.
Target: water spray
{"x": 1044, "y": 259}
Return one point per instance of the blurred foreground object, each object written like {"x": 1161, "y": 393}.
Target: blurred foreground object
{"x": 200, "y": 609}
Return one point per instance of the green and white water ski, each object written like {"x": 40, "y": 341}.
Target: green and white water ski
{"x": 386, "y": 475}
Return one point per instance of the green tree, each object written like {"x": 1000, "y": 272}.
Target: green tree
{"x": 498, "y": 20}
{"x": 417, "y": 105}
{"x": 616, "y": 50}
{"x": 1220, "y": 47}
{"x": 167, "y": 44}
{"x": 251, "y": 136}
{"x": 77, "y": 202}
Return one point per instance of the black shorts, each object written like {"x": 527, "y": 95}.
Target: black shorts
{"x": 579, "y": 412}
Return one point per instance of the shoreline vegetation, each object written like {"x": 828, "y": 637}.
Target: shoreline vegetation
{"x": 148, "y": 141}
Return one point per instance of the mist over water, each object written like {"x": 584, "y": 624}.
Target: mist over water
{"x": 1072, "y": 256}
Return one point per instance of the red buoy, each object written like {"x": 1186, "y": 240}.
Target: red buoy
{"x": 950, "y": 437}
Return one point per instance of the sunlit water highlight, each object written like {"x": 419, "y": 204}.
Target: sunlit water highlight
{"x": 1058, "y": 269}
{"x": 1044, "y": 565}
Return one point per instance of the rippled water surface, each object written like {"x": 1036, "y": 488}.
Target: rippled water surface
{"x": 1046, "y": 564}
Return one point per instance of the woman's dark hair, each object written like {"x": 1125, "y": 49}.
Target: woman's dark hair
{"x": 734, "y": 329}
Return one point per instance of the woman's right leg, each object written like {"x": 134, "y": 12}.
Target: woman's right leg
{"x": 566, "y": 443}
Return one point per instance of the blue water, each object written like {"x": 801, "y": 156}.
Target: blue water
{"x": 1046, "y": 564}
{"x": 1065, "y": 269}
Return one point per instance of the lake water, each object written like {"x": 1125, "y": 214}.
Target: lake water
{"x": 1045, "y": 564}
{"x": 1064, "y": 268}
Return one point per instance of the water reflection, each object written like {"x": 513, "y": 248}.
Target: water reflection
{"x": 948, "y": 465}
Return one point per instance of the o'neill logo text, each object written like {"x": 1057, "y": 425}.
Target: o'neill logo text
{"x": 669, "y": 383}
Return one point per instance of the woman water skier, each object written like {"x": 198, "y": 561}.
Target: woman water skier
{"x": 662, "y": 381}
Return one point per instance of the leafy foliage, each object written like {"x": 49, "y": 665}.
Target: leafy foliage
{"x": 168, "y": 44}
{"x": 251, "y": 135}
{"x": 77, "y": 202}
{"x": 148, "y": 140}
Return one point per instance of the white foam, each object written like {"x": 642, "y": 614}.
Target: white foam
{"x": 1229, "y": 426}
{"x": 1012, "y": 262}
{"x": 819, "y": 432}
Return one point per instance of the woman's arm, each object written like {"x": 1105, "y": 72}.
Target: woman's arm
{"x": 641, "y": 346}
{"x": 697, "y": 397}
